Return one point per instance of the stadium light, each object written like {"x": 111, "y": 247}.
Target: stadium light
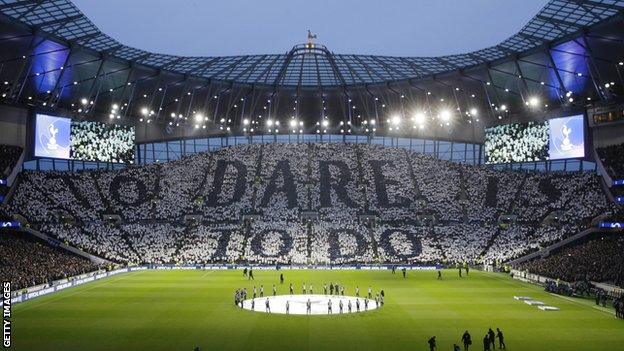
{"x": 445, "y": 115}
{"x": 245, "y": 121}
{"x": 198, "y": 117}
{"x": 144, "y": 111}
{"x": 419, "y": 118}
{"x": 84, "y": 101}
{"x": 269, "y": 122}
{"x": 293, "y": 123}
{"x": 395, "y": 120}
{"x": 325, "y": 123}
{"x": 533, "y": 101}
{"x": 473, "y": 111}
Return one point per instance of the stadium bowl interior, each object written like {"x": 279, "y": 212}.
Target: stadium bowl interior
{"x": 154, "y": 201}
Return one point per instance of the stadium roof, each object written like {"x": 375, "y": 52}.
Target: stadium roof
{"x": 569, "y": 56}
{"x": 311, "y": 66}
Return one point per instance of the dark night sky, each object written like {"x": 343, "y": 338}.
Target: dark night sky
{"x": 235, "y": 27}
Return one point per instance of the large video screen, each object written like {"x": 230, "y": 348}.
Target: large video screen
{"x": 52, "y": 136}
{"x": 59, "y": 137}
{"x": 509, "y": 143}
{"x": 555, "y": 139}
{"x": 567, "y": 137}
{"x": 93, "y": 141}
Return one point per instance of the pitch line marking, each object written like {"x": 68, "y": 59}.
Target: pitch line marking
{"x": 532, "y": 286}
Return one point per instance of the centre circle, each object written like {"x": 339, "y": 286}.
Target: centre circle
{"x": 310, "y": 304}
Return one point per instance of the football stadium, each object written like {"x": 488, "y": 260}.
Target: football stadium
{"x": 364, "y": 187}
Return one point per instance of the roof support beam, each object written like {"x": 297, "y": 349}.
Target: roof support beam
{"x": 96, "y": 78}
{"x": 25, "y": 62}
{"x": 249, "y": 68}
{"x": 55, "y": 93}
{"x": 282, "y": 71}
{"x": 524, "y": 83}
{"x": 491, "y": 81}
{"x": 63, "y": 21}
{"x": 603, "y": 94}
{"x": 597, "y": 4}
{"x": 336, "y": 69}
{"x": 19, "y": 4}
{"x": 367, "y": 68}
{"x": 558, "y": 23}
{"x": 268, "y": 69}
{"x": 353, "y": 72}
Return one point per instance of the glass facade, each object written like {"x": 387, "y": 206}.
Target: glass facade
{"x": 466, "y": 153}
{"x": 173, "y": 150}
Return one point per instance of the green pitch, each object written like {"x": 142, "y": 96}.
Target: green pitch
{"x": 178, "y": 310}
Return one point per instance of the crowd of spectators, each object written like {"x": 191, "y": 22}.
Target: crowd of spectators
{"x": 612, "y": 158}
{"x": 9, "y": 155}
{"x": 26, "y": 261}
{"x": 599, "y": 260}
{"x": 277, "y": 242}
{"x": 424, "y": 210}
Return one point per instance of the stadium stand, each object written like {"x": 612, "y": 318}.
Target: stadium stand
{"x": 276, "y": 182}
{"x": 9, "y": 155}
{"x": 612, "y": 158}
{"x": 27, "y": 261}
{"x": 599, "y": 260}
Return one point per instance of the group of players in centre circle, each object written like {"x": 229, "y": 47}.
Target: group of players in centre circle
{"x": 333, "y": 289}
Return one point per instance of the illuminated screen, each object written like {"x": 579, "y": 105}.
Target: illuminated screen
{"x": 526, "y": 142}
{"x": 58, "y": 137}
{"x": 555, "y": 139}
{"x": 567, "y": 138}
{"x": 52, "y": 136}
{"x": 93, "y": 141}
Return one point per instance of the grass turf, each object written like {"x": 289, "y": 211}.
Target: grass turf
{"x": 178, "y": 310}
